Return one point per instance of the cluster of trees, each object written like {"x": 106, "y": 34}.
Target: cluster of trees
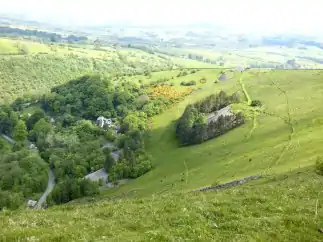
{"x": 201, "y": 58}
{"x": 70, "y": 189}
{"x": 8, "y": 119}
{"x": 194, "y": 127}
{"x": 72, "y": 152}
{"x": 160, "y": 81}
{"x": 183, "y": 73}
{"x": 23, "y": 171}
{"x": 141, "y": 47}
{"x": 189, "y": 83}
{"x": 319, "y": 165}
{"x": 22, "y": 175}
{"x": 68, "y": 141}
{"x": 256, "y": 103}
{"x": 46, "y": 36}
{"x": 92, "y": 96}
{"x": 135, "y": 161}
{"x": 73, "y": 149}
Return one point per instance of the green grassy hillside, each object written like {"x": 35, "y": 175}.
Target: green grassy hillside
{"x": 275, "y": 208}
{"x": 285, "y": 134}
{"x": 31, "y": 67}
{"x": 280, "y": 140}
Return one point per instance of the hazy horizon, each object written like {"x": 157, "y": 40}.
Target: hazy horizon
{"x": 273, "y": 16}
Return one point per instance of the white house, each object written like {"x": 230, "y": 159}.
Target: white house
{"x": 102, "y": 121}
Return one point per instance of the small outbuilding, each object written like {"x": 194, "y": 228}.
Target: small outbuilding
{"x": 31, "y": 203}
{"x": 102, "y": 121}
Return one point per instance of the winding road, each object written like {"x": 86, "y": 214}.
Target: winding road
{"x": 50, "y": 187}
{"x": 9, "y": 140}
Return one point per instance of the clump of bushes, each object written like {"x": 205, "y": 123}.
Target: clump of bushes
{"x": 190, "y": 83}
{"x": 160, "y": 81}
{"x": 203, "y": 80}
{"x": 183, "y": 73}
{"x": 319, "y": 166}
{"x": 256, "y": 103}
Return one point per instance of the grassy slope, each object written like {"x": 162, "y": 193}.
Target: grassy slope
{"x": 38, "y": 72}
{"x": 6, "y": 47}
{"x": 270, "y": 209}
{"x": 265, "y": 144}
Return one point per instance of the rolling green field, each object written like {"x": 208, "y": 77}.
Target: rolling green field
{"x": 285, "y": 134}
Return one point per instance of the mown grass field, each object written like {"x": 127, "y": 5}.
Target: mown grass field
{"x": 286, "y": 207}
{"x": 286, "y": 134}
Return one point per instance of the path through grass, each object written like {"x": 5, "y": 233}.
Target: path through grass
{"x": 238, "y": 154}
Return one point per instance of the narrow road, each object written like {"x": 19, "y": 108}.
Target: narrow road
{"x": 9, "y": 140}
{"x": 50, "y": 187}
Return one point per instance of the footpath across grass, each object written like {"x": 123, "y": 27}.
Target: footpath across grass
{"x": 262, "y": 145}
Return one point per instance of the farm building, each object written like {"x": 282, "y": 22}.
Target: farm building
{"x": 102, "y": 121}
{"x": 31, "y": 203}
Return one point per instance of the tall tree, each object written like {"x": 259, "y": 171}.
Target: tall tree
{"x": 20, "y": 131}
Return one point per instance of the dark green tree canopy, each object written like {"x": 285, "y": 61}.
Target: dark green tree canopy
{"x": 194, "y": 127}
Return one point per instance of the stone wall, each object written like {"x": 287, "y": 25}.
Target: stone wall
{"x": 229, "y": 184}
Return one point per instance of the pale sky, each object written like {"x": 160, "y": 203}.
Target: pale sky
{"x": 255, "y": 14}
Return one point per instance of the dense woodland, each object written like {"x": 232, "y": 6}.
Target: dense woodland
{"x": 23, "y": 173}
{"x": 91, "y": 96}
{"x": 62, "y": 126}
{"x": 193, "y": 126}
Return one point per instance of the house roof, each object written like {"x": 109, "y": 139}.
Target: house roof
{"x": 31, "y": 203}
{"x": 97, "y": 175}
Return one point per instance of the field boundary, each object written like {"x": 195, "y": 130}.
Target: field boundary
{"x": 229, "y": 184}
